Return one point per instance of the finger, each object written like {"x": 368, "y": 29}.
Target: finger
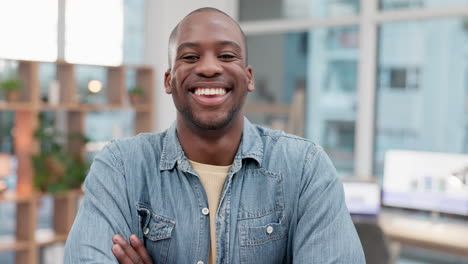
{"x": 138, "y": 246}
{"x": 128, "y": 250}
{"x": 120, "y": 254}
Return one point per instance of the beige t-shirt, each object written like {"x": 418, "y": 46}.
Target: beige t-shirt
{"x": 213, "y": 178}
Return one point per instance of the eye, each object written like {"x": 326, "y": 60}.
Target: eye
{"x": 227, "y": 57}
{"x": 190, "y": 58}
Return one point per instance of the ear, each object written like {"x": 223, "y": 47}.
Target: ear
{"x": 251, "y": 79}
{"x": 167, "y": 81}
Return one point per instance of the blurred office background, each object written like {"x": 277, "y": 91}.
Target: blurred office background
{"x": 363, "y": 78}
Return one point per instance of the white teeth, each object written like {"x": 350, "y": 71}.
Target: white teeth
{"x": 210, "y": 91}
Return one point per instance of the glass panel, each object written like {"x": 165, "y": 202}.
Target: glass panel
{"x": 94, "y": 31}
{"x": 324, "y": 62}
{"x": 422, "y": 94}
{"x": 411, "y": 4}
{"x": 250, "y": 10}
{"x": 7, "y": 257}
{"x": 101, "y": 127}
{"x": 47, "y": 75}
{"x": 29, "y": 29}
{"x": 131, "y": 84}
{"x": 7, "y": 218}
{"x": 86, "y": 79}
{"x": 134, "y": 31}
{"x": 331, "y": 93}
{"x": 45, "y": 207}
{"x": 7, "y": 120}
{"x": 8, "y": 70}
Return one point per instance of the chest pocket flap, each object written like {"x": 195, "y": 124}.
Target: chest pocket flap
{"x": 154, "y": 227}
{"x": 250, "y": 236}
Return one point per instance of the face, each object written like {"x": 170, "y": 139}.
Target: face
{"x": 209, "y": 79}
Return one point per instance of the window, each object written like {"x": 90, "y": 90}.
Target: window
{"x": 425, "y": 107}
{"x": 324, "y": 63}
{"x": 418, "y": 73}
{"x": 251, "y": 10}
{"x": 134, "y": 32}
{"x": 29, "y": 33}
{"x": 89, "y": 38}
{"x": 413, "y": 4}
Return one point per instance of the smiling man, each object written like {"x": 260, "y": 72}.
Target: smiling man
{"x": 213, "y": 188}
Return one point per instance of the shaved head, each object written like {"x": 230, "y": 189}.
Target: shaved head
{"x": 175, "y": 31}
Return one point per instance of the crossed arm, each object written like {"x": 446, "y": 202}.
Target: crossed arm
{"x": 326, "y": 232}
{"x": 130, "y": 253}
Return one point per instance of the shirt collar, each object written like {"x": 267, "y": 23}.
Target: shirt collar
{"x": 251, "y": 146}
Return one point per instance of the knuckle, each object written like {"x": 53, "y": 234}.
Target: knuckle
{"x": 147, "y": 259}
{"x": 126, "y": 246}
{"x": 137, "y": 260}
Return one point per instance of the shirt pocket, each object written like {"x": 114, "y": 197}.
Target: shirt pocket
{"x": 262, "y": 226}
{"x": 156, "y": 231}
{"x": 262, "y": 194}
{"x": 263, "y": 244}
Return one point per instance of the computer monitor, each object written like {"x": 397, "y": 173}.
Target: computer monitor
{"x": 426, "y": 181}
{"x": 362, "y": 198}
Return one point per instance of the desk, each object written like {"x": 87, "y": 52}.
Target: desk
{"x": 446, "y": 236}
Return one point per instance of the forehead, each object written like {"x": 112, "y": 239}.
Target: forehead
{"x": 204, "y": 27}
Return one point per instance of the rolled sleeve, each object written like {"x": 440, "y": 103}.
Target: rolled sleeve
{"x": 105, "y": 211}
{"x": 325, "y": 232}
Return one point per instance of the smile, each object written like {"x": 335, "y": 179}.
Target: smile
{"x": 210, "y": 91}
{"x": 210, "y": 96}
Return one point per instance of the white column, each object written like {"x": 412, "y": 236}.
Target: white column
{"x": 161, "y": 17}
{"x": 61, "y": 30}
{"x": 364, "y": 139}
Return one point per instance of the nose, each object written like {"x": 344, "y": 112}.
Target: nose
{"x": 209, "y": 66}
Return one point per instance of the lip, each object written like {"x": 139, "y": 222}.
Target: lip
{"x": 211, "y": 100}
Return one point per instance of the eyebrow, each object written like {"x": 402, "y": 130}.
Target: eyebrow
{"x": 187, "y": 45}
{"x": 219, "y": 43}
{"x": 228, "y": 43}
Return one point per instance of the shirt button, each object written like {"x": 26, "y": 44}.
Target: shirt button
{"x": 205, "y": 211}
{"x": 200, "y": 262}
{"x": 269, "y": 229}
{"x": 146, "y": 231}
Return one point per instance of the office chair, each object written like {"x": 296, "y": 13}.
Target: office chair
{"x": 374, "y": 242}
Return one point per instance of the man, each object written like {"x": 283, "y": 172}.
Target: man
{"x": 213, "y": 188}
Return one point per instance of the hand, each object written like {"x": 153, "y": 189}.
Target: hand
{"x": 135, "y": 253}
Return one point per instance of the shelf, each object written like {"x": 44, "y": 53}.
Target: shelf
{"x": 27, "y": 111}
{"x": 15, "y": 106}
{"x": 139, "y": 67}
{"x": 143, "y": 107}
{"x": 44, "y": 237}
{"x": 12, "y": 196}
{"x": 59, "y": 107}
{"x": 277, "y": 109}
{"x": 75, "y": 107}
{"x": 9, "y": 243}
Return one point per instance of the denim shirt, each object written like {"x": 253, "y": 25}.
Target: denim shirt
{"x": 282, "y": 202}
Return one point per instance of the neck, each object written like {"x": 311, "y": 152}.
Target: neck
{"x": 214, "y": 147}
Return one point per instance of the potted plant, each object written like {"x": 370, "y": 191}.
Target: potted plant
{"x": 56, "y": 170}
{"x": 135, "y": 94}
{"x": 10, "y": 88}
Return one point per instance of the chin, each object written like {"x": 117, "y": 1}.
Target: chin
{"x": 213, "y": 124}
{"x": 210, "y": 122}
